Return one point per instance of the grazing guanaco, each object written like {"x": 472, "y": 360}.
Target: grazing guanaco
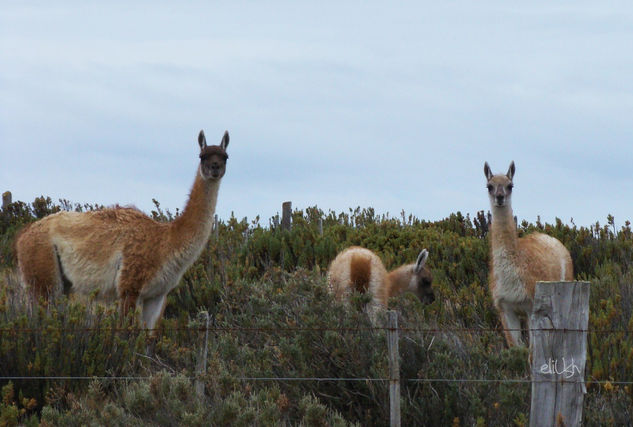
{"x": 359, "y": 269}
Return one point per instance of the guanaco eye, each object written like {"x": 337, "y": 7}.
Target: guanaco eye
{"x": 510, "y": 187}
{"x": 489, "y": 187}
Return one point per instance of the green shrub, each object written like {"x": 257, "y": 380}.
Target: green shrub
{"x": 271, "y": 316}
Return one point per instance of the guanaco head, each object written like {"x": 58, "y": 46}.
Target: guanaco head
{"x": 213, "y": 158}
{"x": 499, "y": 186}
{"x": 422, "y": 278}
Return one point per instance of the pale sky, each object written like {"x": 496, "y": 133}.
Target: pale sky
{"x": 393, "y": 105}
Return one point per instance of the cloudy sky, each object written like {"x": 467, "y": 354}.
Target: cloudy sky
{"x": 394, "y": 105}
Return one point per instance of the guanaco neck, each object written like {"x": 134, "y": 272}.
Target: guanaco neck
{"x": 503, "y": 231}
{"x": 190, "y": 231}
{"x": 399, "y": 280}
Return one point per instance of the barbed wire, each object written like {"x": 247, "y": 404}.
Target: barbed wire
{"x": 13, "y": 331}
{"x": 520, "y": 381}
{"x": 302, "y": 329}
{"x": 330, "y": 379}
{"x": 323, "y": 379}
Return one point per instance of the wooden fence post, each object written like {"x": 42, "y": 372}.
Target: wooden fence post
{"x": 201, "y": 367}
{"x": 558, "y": 341}
{"x": 216, "y": 226}
{"x": 6, "y": 199}
{"x": 394, "y": 368}
{"x": 286, "y": 215}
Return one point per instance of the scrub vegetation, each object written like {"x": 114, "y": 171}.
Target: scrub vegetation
{"x": 272, "y": 317}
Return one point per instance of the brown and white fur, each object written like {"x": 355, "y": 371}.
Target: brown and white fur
{"x": 359, "y": 269}
{"x": 120, "y": 253}
{"x": 517, "y": 264}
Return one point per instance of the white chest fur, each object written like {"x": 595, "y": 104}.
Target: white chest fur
{"x": 510, "y": 286}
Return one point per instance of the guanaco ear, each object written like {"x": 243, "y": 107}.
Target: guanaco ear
{"x": 225, "y": 140}
{"x": 487, "y": 171}
{"x": 202, "y": 141}
{"x": 419, "y": 264}
{"x": 511, "y": 170}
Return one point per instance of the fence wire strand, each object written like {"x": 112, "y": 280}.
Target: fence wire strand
{"x": 321, "y": 379}
{"x": 216, "y": 329}
{"x": 307, "y": 329}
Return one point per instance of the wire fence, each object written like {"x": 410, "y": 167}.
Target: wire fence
{"x": 423, "y": 380}
{"x": 316, "y": 379}
{"x": 304, "y": 329}
{"x": 223, "y": 329}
